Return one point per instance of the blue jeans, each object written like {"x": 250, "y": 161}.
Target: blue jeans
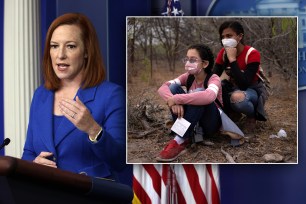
{"x": 208, "y": 116}
{"x": 247, "y": 106}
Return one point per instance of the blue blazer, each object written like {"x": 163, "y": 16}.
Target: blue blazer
{"x": 72, "y": 149}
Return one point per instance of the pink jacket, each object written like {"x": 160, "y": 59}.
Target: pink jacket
{"x": 204, "y": 97}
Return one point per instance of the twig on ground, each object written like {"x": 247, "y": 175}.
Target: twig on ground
{"x": 196, "y": 155}
{"x": 145, "y": 123}
{"x": 228, "y": 156}
{"x": 145, "y": 133}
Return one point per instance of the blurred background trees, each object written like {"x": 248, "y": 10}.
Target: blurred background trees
{"x": 160, "y": 43}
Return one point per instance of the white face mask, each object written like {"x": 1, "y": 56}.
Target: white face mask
{"x": 192, "y": 68}
{"x": 229, "y": 42}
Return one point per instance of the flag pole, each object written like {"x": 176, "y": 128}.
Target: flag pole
{"x": 168, "y": 186}
{"x": 174, "y": 185}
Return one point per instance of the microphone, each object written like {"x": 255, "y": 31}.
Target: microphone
{"x": 5, "y": 142}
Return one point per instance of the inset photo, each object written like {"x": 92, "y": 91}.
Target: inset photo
{"x": 212, "y": 90}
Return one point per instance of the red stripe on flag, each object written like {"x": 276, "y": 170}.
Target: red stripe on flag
{"x": 165, "y": 169}
{"x": 194, "y": 184}
{"x": 167, "y": 181}
{"x": 180, "y": 196}
{"x": 155, "y": 176}
{"x": 215, "y": 197}
{"x": 140, "y": 192}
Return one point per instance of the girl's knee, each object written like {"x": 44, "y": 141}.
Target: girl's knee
{"x": 175, "y": 88}
{"x": 237, "y": 97}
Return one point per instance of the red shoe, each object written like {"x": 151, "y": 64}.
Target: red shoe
{"x": 172, "y": 151}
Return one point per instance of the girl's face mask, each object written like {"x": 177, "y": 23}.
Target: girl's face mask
{"x": 229, "y": 42}
{"x": 192, "y": 68}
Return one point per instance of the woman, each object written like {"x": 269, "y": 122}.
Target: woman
{"x": 241, "y": 65}
{"x": 198, "y": 104}
{"x": 77, "y": 119}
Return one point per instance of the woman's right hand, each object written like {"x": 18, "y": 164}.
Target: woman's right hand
{"x": 231, "y": 53}
{"x": 178, "y": 110}
{"x": 42, "y": 159}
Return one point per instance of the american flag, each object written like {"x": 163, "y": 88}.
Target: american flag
{"x": 176, "y": 184}
{"x": 172, "y": 8}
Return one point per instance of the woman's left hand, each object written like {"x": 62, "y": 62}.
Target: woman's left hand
{"x": 178, "y": 110}
{"x": 170, "y": 102}
{"x": 79, "y": 115}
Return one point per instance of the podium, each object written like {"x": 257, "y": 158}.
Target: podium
{"x": 27, "y": 182}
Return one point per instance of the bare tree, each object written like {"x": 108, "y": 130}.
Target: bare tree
{"x": 167, "y": 39}
{"x": 167, "y": 32}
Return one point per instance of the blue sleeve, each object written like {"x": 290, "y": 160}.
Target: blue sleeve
{"x": 28, "y": 150}
{"x": 112, "y": 144}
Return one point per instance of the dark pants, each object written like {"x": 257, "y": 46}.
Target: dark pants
{"x": 208, "y": 116}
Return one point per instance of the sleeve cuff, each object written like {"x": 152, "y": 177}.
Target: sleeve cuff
{"x": 97, "y": 137}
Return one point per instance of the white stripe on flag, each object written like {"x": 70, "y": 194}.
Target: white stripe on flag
{"x": 205, "y": 181}
{"x": 184, "y": 184}
{"x": 146, "y": 182}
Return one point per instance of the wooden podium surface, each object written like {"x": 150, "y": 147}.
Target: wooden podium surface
{"x": 26, "y": 182}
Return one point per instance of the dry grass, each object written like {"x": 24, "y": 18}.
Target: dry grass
{"x": 281, "y": 108}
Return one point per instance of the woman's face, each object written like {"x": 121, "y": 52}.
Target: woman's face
{"x": 67, "y": 52}
{"x": 194, "y": 64}
{"x": 230, "y": 33}
{"x": 193, "y": 56}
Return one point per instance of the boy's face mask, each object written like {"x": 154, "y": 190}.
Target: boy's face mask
{"x": 229, "y": 42}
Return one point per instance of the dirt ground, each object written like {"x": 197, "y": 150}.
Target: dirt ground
{"x": 147, "y": 138}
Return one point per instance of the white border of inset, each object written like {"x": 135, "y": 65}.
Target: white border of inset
{"x": 206, "y": 17}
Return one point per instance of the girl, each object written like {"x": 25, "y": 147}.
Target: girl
{"x": 241, "y": 64}
{"x": 198, "y": 104}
